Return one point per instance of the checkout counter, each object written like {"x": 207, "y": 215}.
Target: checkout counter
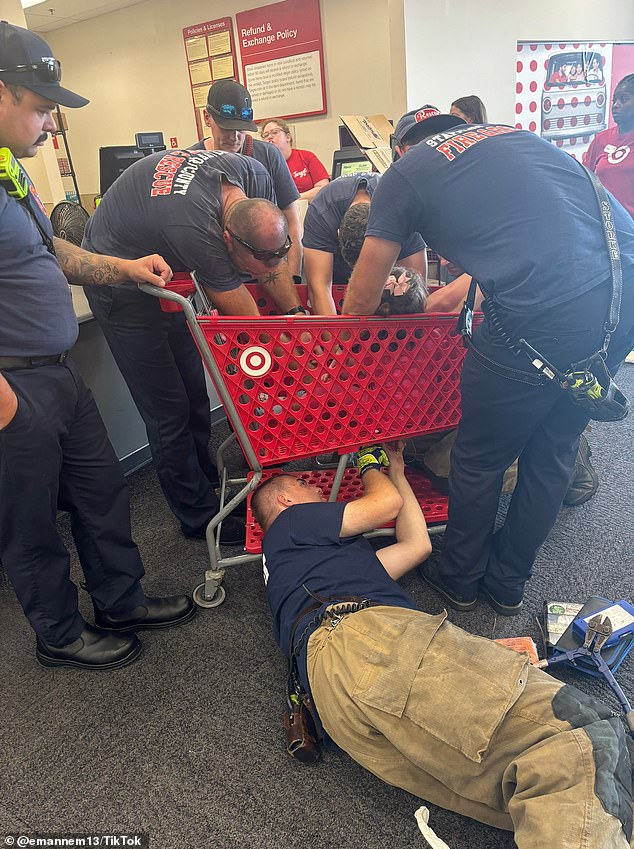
{"x": 124, "y": 424}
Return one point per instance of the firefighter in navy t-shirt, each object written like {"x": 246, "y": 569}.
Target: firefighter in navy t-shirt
{"x": 229, "y": 115}
{"x": 330, "y": 213}
{"x": 54, "y": 449}
{"x": 529, "y": 230}
{"x": 212, "y": 213}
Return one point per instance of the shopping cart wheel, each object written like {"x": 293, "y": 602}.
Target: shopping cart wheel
{"x": 217, "y": 599}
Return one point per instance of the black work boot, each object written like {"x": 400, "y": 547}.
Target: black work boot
{"x": 585, "y": 481}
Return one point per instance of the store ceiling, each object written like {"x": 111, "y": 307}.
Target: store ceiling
{"x": 53, "y": 14}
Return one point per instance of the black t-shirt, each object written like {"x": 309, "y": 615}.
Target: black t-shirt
{"x": 513, "y": 210}
{"x": 323, "y": 219}
{"x": 171, "y": 203}
{"x": 37, "y": 316}
{"x": 272, "y": 159}
{"x": 302, "y": 551}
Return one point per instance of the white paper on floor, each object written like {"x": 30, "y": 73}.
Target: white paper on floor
{"x": 422, "y": 818}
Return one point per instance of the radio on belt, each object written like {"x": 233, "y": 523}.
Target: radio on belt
{"x": 620, "y": 614}
{"x": 12, "y": 176}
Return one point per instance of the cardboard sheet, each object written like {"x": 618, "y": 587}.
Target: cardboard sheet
{"x": 372, "y": 134}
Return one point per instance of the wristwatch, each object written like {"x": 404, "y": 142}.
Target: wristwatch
{"x": 299, "y": 308}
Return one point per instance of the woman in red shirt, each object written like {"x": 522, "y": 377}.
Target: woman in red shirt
{"x": 611, "y": 154}
{"x": 306, "y": 170}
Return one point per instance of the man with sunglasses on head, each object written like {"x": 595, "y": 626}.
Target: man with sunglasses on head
{"x": 229, "y": 116}
{"x": 54, "y": 449}
{"x": 212, "y": 213}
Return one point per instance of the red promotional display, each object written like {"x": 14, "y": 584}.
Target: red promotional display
{"x": 282, "y": 59}
{"x": 564, "y": 89}
{"x": 210, "y": 52}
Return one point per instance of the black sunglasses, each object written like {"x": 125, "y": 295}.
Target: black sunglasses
{"x": 49, "y": 70}
{"x": 262, "y": 256}
{"x": 230, "y": 111}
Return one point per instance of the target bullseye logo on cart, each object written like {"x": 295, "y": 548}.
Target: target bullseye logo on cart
{"x": 255, "y": 361}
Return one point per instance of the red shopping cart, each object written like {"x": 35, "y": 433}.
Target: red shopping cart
{"x": 299, "y": 387}
{"x": 184, "y": 285}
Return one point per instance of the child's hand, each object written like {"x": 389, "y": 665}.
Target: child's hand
{"x": 394, "y": 451}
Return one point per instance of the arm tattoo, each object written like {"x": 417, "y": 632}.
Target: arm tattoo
{"x": 84, "y": 268}
{"x": 271, "y": 277}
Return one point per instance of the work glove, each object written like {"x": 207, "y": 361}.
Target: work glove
{"x": 371, "y": 457}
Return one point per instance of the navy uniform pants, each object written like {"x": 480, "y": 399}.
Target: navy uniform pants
{"x": 503, "y": 419}
{"x": 55, "y": 454}
{"x": 160, "y": 363}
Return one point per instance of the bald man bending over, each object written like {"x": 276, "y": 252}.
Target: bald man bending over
{"x": 212, "y": 213}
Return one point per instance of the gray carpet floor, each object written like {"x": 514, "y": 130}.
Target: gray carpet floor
{"x": 186, "y": 744}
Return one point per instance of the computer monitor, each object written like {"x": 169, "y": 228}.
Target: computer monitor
{"x": 153, "y": 141}
{"x": 113, "y": 161}
{"x": 346, "y": 139}
{"x": 350, "y": 160}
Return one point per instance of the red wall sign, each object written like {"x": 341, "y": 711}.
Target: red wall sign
{"x": 282, "y": 58}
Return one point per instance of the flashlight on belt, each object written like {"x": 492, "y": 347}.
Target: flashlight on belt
{"x": 590, "y": 384}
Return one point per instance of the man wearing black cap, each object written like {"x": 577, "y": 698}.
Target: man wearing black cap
{"x": 407, "y": 132}
{"x": 229, "y": 115}
{"x": 54, "y": 450}
{"x": 528, "y": 228}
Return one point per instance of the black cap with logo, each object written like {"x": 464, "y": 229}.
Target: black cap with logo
{"x": 27, "y": 60}
{"x": 434, "y": 121}
{"x": 229, "y": 104}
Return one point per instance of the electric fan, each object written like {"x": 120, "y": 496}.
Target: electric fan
{"x": 68, "y": 220}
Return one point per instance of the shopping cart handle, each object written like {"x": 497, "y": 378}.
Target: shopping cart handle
{"x": 180, "y": 303}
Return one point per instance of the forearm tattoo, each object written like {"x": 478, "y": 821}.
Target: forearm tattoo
{"x": 271, "y": 277}
{"x": 83, "y": 267}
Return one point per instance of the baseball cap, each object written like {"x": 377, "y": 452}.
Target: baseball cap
{"x": 433, "y": 118}
{"x": 229, "y": 104}
{"x": 27, "y": 60}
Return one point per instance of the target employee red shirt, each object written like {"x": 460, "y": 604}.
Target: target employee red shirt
{"x": 611, "y": 157}
{"x": 306, "y": 169}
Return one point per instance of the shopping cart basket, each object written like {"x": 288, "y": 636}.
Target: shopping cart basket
{"x": 299, "y": 387}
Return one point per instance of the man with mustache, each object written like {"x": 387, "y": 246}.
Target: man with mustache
{"x": 54, "y": 450}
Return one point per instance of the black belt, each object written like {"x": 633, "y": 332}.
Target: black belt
{"x": 14, "y": 363}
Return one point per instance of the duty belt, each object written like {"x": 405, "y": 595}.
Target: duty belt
{"x": 588, "y": 383}
{"x": 15, "y": 363}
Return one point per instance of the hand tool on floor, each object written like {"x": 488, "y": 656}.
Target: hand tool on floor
{"x": 598, "y": 631}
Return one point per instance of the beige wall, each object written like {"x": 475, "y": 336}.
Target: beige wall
{"x": 132, "y": 66}
{"x": 464, "y": 47}
{"x": 380, "y": 56}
